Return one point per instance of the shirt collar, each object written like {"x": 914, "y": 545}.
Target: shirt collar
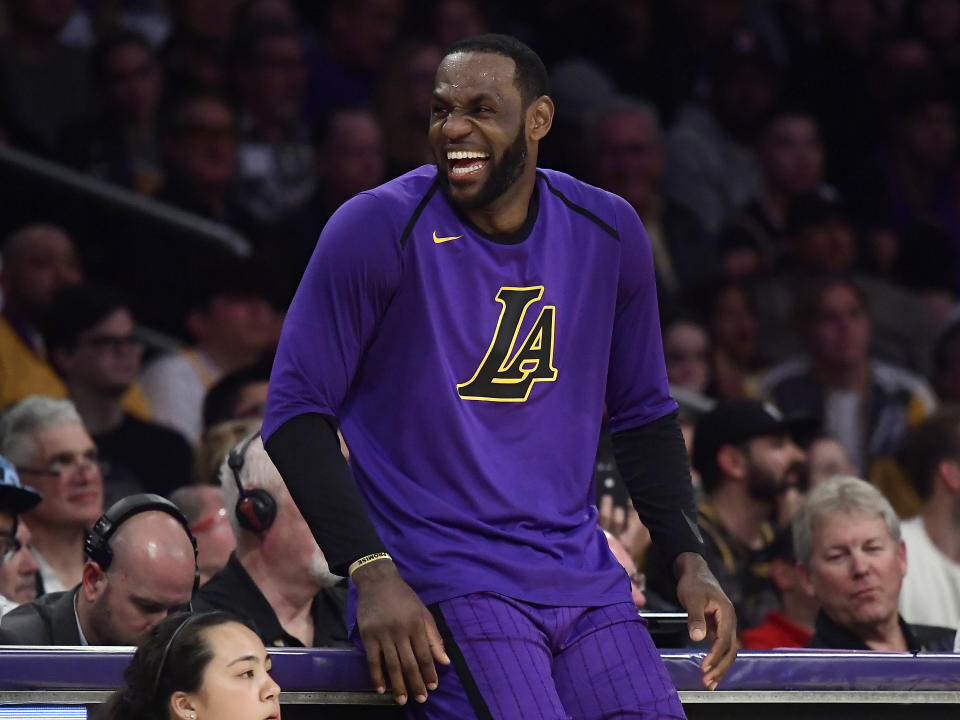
{"x": 76, "y": 616}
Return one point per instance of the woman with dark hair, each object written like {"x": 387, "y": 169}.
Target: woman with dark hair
{"x": 207, "y": 666}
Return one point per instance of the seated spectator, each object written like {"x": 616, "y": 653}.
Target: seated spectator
{"x": 711, "y": 166}
{"x": 732, "y": 325}
{"x": 51, "y": 449}
{"x": 203, "y": 507}
{"x": 864, "y": 403}
{"x": 277, "y": 581}
{"x": 349, "y": 158}
{"x": 44, "y": 86}
{"x": 827, "y": 458}
{"x": 123, "y": 145}
{"x": 403, "y": 107}
{"x": 216, "y": 444}
{"x": 38, "y": 261}
{"x": 233, "y": 324}
{"x": 354, "y": 52}
{"x": 195, "y": 52}
{"x": 238, "y": 395}
{"x": 18, "y": 569}
{"x": 790, "y": 158}
{"x": 188, "y": 668}
{"x": 92, "y": 341}
{"x": 686, "y": 350}
{"x": 276, "y": 170}
{"x": 792, "y": 625}
{"x": 140, "y": 566}
{"x": 199, "y": 140}
{"x": 748, "y": 467}
{"x": 852, "y": 560}
{"x": 821, "y": 240}
{"x": 626, "y": 148}
{"x": 931, "y": 588}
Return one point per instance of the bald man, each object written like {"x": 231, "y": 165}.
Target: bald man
{"x": 151, "y": 575}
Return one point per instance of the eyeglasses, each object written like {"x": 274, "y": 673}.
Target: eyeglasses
{"x": 9, "y": 546}
{"x": 63, "y": 468}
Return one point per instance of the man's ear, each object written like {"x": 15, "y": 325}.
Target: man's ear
{"x": 805, "y": 581}
{"x": 949, "y": 472}
{"x": 93, "y": 581}
{"x": 540, "y": 118}
{"x": 731, "y": 461}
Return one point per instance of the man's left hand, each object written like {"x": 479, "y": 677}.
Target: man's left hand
{"x": 709, "y": 612}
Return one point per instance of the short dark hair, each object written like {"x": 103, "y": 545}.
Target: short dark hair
{"x": 221, "y": 398}
{"x": 113, "y": 40}
{"x": 530, "y": 76}
{"x": 173, "y": 658}
{"x": 77, "y": 309}
{"x": 928, "y": 444}
{"x": 810, "y": 297}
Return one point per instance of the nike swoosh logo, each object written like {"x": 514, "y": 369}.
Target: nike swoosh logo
{"x": 444, "y": 239}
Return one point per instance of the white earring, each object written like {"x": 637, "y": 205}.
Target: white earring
{"x": 192, "y": 716}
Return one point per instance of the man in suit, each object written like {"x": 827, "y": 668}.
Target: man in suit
{"x": 140, "y": 567}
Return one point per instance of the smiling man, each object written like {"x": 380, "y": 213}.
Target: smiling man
{"x": 852, "y": 560}
{"x": 464, "y": 325}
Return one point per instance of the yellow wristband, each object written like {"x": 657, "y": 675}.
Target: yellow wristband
{"x": 366, "y": 560}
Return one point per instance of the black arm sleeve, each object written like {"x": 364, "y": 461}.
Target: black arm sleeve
{"x": 306, "y": 451}
{"x": 653, "y": 462}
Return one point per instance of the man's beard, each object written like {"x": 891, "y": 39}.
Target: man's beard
{"x": 764, "y": 486}
{"x": 503, "y": 175}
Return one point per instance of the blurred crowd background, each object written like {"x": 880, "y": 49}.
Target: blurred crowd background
{"x": 167, "y": 166}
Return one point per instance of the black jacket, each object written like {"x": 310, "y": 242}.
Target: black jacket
{"x": 233, "y": 590}
{"x": 48, "y": 620}
{"x": 920, "y": 638}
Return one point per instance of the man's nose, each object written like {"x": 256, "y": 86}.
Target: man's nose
{"x": 456, "y": 126}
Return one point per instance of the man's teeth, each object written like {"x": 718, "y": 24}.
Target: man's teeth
{"x": 465, "y": 155}
{"x": 465, "y": 169}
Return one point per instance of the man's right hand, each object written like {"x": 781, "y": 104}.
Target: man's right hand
{"x": 396, "y": 627}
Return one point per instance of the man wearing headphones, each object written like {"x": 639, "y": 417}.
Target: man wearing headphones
{"x": 277, "y": 581}
{"x": 140, "y": 566}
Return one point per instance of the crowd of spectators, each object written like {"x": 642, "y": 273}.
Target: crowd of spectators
{"x": 796, "y": 168}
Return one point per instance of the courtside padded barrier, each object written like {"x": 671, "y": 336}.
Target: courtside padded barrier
{"x": 339, "y": 671}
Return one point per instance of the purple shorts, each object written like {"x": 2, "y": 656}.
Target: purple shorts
{"x": 516, "y": 661}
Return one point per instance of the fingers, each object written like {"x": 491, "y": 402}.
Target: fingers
{"x": 434, "y": 641}
{"x": 395, "y": 672}
{"x": 413, "y": 671}
{"x": 373, "y": 663}
{"x": 696, "y": 623}
{"x": 724, "y": 650}
{"x": 424, "y": 658}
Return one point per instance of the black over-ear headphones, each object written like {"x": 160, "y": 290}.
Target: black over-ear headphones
{"x": 96, "y": 544}
{"x": 256, "y": 509}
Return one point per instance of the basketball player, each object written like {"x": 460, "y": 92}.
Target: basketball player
{"x": 464, "y": 324}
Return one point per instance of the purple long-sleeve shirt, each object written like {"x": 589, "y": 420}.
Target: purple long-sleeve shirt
{"x": 469, "y": 374}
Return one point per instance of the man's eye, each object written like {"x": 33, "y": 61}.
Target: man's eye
{"x": 439, "y": 111}
{"x": 247, "y": 674}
